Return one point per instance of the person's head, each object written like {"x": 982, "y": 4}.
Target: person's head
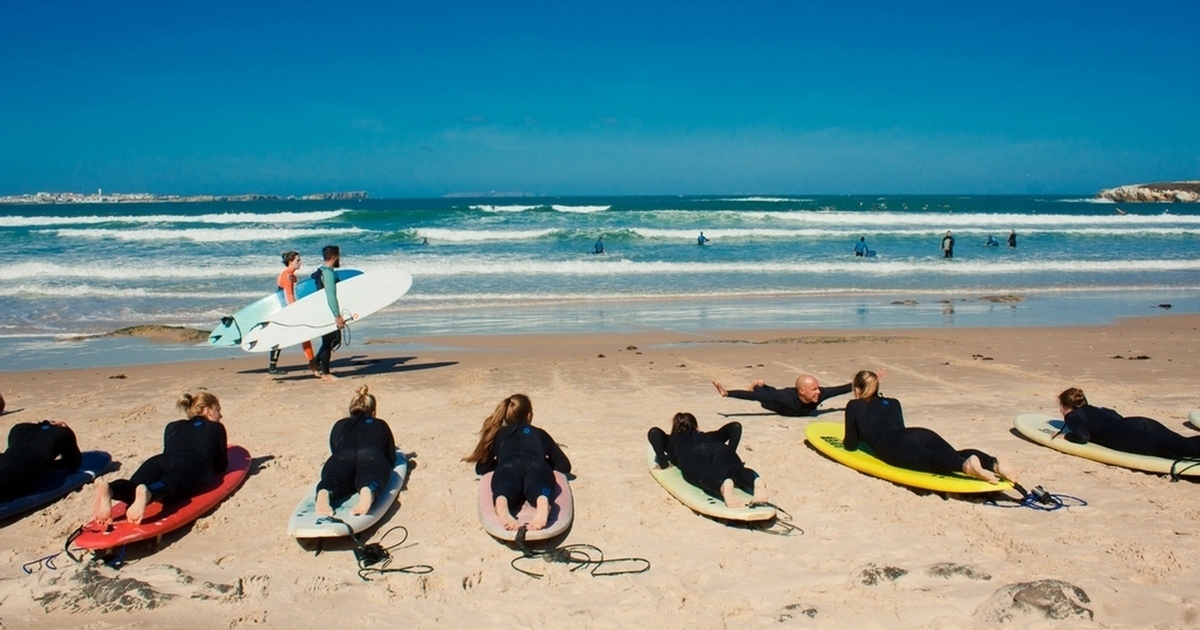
{"x": 202, "y": 404}
{"x": 291, "y": 260}
{"x": 862, "y": 239}
{"x": 683, "y": 423}
{"x": 808, "y": 389}
{"x": 363, "y": 404}
{"x": 516, "y": 409}
{"x": 1071, "y": 398}
{"x": 332, "y": 255}
{"x": 947, "y": 232}
{"x": 866, "y": 384}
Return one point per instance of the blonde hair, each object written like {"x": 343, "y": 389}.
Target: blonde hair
{"x": 363, "y": 404}
{"x": 1072, "y": 398}
{"x": 516, "y": 409}
{"x": 195, "y": 404}
{"x": 867, "y": 384}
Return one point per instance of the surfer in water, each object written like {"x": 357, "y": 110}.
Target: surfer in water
{"x": 287, "y": 283}
{"x": 362, "y": 455}
{"x": 948, "y": 245}
{"x": 194, "y": 451}
{"x": 33, "y": 449}
{"x": 1084, "y": 423}
{"x": 598, "y": 248}
{"x": 707, "y": 459}
{"x": 328, "y": 281}
{"x": 879, "y": 423}
{"x": 990, "y": 242}
{"x": 524, "y": 459}
{"x": 801, "y": 400}
{"x": 860, "y": 248}
{"x": 702, "y": 240}
{"x": 1012, "y": 239}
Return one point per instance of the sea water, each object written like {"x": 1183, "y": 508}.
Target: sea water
{"x": 527, "y": 264}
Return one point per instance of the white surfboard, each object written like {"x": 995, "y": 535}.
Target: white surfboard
{"x": 310, "y": 317}
{"x": 306, "y": 523}
{"x": 702, "y": 502}
{"x": 1042, "y": 429}
{"x": 229, "y": 331}
{"x": 562, "y": 511}
{"x": 1194, "y": 418}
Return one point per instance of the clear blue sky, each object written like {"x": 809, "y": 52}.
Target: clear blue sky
{"x": 582, "y": 98}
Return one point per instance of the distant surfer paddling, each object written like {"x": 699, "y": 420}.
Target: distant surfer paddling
{"x": 362, "y": 455}
{"x": 287, "y": 283}
{"x": 326, "y": 277}
{"x": 707, "y": 459}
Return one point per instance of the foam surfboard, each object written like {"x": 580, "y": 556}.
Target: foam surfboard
{"x": 1194, "y": 418}
{"x": 826, "y": 437}
{"x": 228, "y": 333}
{"x": 562, "y": 511}
{"x": 160, "y": 519}
{"x": 306, "y": 523}
{"x": 309, "y": 317}
{"x": 1042, "y": 428}
{"x": 702, "y": 502}
{"x": 58, "y": 483}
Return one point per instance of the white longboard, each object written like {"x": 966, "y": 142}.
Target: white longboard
{"x": 1042, "y": 429}
{"x": 229, "y": 331}
{"x": 306, "y": 523}
{"x": 700, "y": 501}
{"x": 562, "y": 511}
{"x": 310, "y": 317}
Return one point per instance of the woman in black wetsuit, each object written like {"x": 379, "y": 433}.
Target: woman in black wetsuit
{"x": 707, "y": 459}
{"x": 363, "y": 453}
{"x": 32, "y": 450}
{"x": 1135, "y": 434}
{"x": 524, "y": 459}
{"x": 879, "y": 422}
{"x": 194, "y": 451}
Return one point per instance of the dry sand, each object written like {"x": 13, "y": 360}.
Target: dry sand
{"x": 870, "y": 554}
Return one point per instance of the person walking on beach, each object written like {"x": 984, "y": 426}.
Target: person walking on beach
{"x": 326, "y": 278}
{"x": 287, "y": 283}
{"x": 801, "y": 400}
{"x": 702, "y": 239}
{"x": 860, "y": 248}
{"x": 1012, "y": 239}
{"x": 948, "y": 245}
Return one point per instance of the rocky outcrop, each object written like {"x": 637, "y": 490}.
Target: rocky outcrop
{"x": 1184, "y": 192}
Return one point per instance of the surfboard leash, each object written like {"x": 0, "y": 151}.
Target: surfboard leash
{"x": 1040, "y": 499}
{"x": 581, "y": 555}
{"x": 1177, "y": 471}
{"x": 371, "y": 554}
{"x": 784, "y": 524}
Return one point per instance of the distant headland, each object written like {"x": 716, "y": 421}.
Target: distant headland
{"x": 1185, "y": 192}
{"x": 101, "y": 197}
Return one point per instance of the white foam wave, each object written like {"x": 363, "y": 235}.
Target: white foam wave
{"x": 955, "y": 220}
{"x": 580, "y": 209}
{"x": 88, "y": 291}
{"x": 195, "y": 269}
{"x": 223, "y": 218}
{"x": 474, "y": 236}
{"x": 504, "y": 208}
{"x": 767, "y": 199}
{"x": 828, "y": 233}
{"x": 1082, "y": 200}
{"x": 205, "y": 235}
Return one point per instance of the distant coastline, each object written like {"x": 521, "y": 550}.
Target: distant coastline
{"x": 1183, "y": 192}
{"x": 101, "y": 197}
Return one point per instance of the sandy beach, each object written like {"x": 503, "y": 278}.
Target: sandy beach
{"x": 868, "y": 553}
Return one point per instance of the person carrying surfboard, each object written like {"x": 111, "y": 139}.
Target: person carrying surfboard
{"x": 33, "y": 449}
{"x": 194, "y": 450}
{"x": 524, "y": 458}
{"x": 801, "y": 400}
{"x": 362, "y": 455}
{"x": 287, "y": 283}
{"x": 326, "y": 277}
{"x": 707, "y": 459}
{"x": 1084, "y": 423}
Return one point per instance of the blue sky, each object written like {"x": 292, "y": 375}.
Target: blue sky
{"x": 583, "y": 98}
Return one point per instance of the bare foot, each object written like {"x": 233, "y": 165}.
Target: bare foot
{"x": 328, "y": 377}
{"x": 721, "y": 389}
{"x": 102, "y": 506}
{"x": 1007, "y": 470}
{"x": 505, "y": 515}
{"x": 137, "y": 509}
{"x": 324, "y": 507}
{"x": 760, "y": 491}
{"x": 542, "y": 515}
{"x": 972, "y": 468}
{"x": 731, "y": 498}
{"x": 365, "y": 499}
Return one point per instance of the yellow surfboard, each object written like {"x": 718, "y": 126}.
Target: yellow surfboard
{"x": 826, "y": 437}
{"x": 1042, "y": 428}
{"x": 703, "y": 503}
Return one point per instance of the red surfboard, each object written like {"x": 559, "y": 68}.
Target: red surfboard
{"x": 160, "y": 519}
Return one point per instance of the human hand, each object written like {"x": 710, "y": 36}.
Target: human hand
{"x": 341, "y": 323}
{"x": 755, "y": 384}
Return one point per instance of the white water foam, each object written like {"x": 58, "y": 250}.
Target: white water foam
{"x": 205, "y": 235}
{"x": 225, "y": 218}
{"x": 580, "y": 209}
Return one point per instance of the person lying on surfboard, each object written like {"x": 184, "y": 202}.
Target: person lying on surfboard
{"x": 707, "y": 459}
{"x": 1084, "y": 423}
{"x": 33, "y": 449}
{"x": 801, "y": 400}
{"x": 524, "y": 459}
{"x": 363, "y": 453}
{"x": 879, "y": 423}
{"x": 194, "y": 451}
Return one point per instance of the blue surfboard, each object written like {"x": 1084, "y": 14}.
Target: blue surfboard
{"x": 229, "y": 332}
{"x": 58, "y": 483}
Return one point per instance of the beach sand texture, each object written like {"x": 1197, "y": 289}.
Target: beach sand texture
{"x": 870, "y": 554}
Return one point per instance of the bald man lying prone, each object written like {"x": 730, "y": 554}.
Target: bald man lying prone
{"x": 801, "y": 400}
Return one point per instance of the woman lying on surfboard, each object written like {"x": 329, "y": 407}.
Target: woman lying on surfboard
{"x": 194, "y": 450}
{"x": 1085, "y": 423}
{"x": 363, "y": 453}
{"x": 707, "y": 459}
{"x": 524, "y": 458}
{"x": 32, "y": 450}
{"x": 879, "y": 422}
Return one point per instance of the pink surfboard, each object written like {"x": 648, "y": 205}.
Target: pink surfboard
{"x": 562, "y": 511}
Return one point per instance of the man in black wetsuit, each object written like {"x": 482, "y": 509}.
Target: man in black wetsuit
{"x": 32, "y": 450}
{"x": 801, "y": 400}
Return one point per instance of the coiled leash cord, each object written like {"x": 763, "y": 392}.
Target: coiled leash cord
{"x": 1040, "y": 499}
{"x": 372, "y": 554}
{"x": 580, "y": 554}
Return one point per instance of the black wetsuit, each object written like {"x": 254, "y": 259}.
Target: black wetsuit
{"x": 879, "y": 423}
{"x": 786, "y": 402}
{"x": 363, "y": 453}
{"x": 331, "y": 340}
{"x": 705, "y": 458}
{"x": 1134, "y": 434}
{"x": 193, "y": 452}
{"x": 32, "y": 450}
{"x": 524, "y": 458}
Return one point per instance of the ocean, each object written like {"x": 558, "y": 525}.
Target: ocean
{"x": 525, "y": 265}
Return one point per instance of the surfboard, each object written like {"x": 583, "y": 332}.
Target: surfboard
{"x": 702, "y": 502}
{"x": 58, "y": 483}
{"x": 228, "y": 333}
{"x": 562, "y": 511}
{"x": 160, "y": 519}
{"x": 1194, "y": 418}
{"x": 826, "y": 437}
{"x": 309, "y": 317}
{"x": 1042, "y": 428}
{"x": 306, "y": 523}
